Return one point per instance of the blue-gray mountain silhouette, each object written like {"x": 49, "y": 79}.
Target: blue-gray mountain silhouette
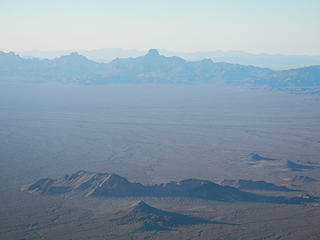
{"x": 277, "y": 61}
{"x": 151, "y": 68}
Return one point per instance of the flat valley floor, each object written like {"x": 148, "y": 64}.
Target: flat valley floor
{"x": 153, "y": 134}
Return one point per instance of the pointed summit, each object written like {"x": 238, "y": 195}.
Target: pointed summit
{"x": 153, "y": 53}
{"x": 153, "y": 219}
{"x": 141, "y": 206}
{"x": 140, "y": 203}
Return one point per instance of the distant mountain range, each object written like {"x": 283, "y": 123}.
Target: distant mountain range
{"x": 92, "y": 184}
{"x": 150, "y": 68}
{"x": 276, "y": 61}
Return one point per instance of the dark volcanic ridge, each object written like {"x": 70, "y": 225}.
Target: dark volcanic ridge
{"x": 91, "y": 184}
{"x": 149, "y": 218}
{"x": 256, "y": 185}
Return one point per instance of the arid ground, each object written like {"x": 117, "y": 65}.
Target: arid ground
{"x": 154, "y": 134}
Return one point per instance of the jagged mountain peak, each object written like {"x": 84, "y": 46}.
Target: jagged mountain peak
{"x": 153, "y": 53}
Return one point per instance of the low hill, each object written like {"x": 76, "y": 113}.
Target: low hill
{"x": 153, "y": 219}
{"x": 256, "y": 157}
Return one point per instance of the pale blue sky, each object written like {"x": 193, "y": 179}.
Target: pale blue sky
{"x": 282, "y": 26}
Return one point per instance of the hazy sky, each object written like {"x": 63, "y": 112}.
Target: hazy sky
{"x": 271, "y": 26}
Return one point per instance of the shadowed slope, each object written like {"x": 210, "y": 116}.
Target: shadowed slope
{"x": 154, "y": 219}
{"x": 255, "y": 185}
